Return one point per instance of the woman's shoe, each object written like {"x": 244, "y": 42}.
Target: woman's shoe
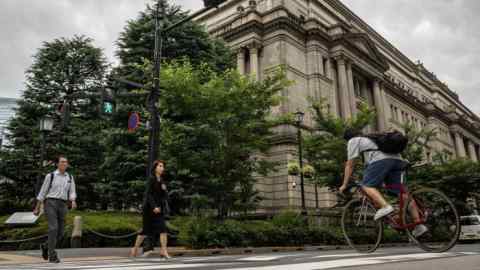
{"x": 166, "y": 257}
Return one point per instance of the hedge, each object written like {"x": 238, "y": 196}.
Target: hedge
{"x": 286, "y": 229}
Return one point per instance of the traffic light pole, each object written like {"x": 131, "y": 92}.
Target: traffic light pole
{"x": 154, "y": 137}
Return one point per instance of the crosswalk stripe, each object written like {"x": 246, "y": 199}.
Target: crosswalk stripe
{"x": 345, "y": 255}
{"x": 352, "y": 262}
{"x": 263, "y": 258}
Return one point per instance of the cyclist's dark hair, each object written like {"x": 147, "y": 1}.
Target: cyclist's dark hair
{"x": 351, "y": 133}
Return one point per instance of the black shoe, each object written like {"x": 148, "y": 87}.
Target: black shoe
{"x": 54, "y": 260}
{"x": 44, "y": 250}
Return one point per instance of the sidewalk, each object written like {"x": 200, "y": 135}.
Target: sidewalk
{"x": 85, "y": 254}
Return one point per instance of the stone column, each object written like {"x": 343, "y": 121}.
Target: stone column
{"x": 254, "y": 69}
{"x": 379, "y": 105}
{"x": 329, "y": 71}
{"x": 460, "y": 146}
{"x": 332, "y": 75}
{"x": 351, "y": 89}
{"x": 386, "y": 107}
{"x": 343, "y": 89}
{"x": 241, "y": 61}
{"x": 472, "y": 151}
{"x": 319, "y": 59}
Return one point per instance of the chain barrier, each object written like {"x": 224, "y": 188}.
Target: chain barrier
{"x": 30, "y": 239}
{"x": 23, "y": 240}
{"x": 113, "y": 236}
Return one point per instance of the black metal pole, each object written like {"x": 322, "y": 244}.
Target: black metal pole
{"x": 154, "y": 138}
{"x": 300, "y": 160}
{"x": 38, "y": 185}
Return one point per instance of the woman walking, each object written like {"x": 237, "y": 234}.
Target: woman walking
{"x": 155, "y": 207}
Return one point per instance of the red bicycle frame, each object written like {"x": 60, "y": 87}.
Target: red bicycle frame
{"x": 395, "y": 219}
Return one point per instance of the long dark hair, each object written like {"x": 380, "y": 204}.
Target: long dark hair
{"x": 155, "y": 164}
{"x": 156, "y": 184}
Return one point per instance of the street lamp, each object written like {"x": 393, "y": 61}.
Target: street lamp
{"x": 45, "y": 126}
{"x": 299, "y": 120}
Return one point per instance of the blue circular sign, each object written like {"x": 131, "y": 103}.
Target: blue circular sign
{"x": 133, "y": 121}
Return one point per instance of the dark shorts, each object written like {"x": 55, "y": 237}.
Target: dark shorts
{"x": 385, "y": 171}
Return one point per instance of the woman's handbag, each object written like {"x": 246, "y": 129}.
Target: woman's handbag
{"x": 166, "y": 209}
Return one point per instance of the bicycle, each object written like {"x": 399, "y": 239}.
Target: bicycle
{"x": 436, "y": 211}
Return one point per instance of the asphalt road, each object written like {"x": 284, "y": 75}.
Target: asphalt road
{"x": 462, "y": 257}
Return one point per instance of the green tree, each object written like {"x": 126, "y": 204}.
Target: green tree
{"x": 418, "y": 142}
{"x": 325, "y": 148}
{"x": 459, "y": 179}
{"x": 125, "y": 165}
{"x": 213, "y": 126}
{"x": 64, "y": 71}
{"x": 190, "y": 40}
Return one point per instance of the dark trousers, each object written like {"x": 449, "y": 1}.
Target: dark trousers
{"x": 55, "y": 211}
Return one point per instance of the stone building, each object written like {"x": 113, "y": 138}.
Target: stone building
{"x": 333, "y": 54}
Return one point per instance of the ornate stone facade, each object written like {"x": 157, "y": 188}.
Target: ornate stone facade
{"x": 333, "y": 54}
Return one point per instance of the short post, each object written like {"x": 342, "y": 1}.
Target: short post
{"x": 76, "y": 241}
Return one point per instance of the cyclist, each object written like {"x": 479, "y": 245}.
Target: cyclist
{"x": 380, "y": 168}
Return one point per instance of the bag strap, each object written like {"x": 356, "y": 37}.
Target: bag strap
{"x": 50, "y": 184}
{"x": 69, "y": 186}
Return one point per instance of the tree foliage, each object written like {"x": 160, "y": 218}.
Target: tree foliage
{"x": 459, "y": 179}
{"x": 65, "y": 72}
{"x": 126, "y": 153}
{"x": 212, "y": 125}
{"x": 325, "y": 148}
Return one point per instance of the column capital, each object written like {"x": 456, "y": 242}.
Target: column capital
{"x": 455, "y": 129}
{"x": 254, "y": 45}
{"x": 239, "y": 50}
{"x": 341, "y": 59}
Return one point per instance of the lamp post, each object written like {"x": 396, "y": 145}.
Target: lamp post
{"x": 45, "y": 126}
{"x": 160, "y": 31}
{"x": 2, "y": 135}
{"x": 299, "y": 120}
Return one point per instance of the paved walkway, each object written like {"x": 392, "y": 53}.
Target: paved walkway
{"x": 385, "y": 258}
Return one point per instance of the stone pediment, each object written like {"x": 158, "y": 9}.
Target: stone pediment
{"x": 366, "y": 46}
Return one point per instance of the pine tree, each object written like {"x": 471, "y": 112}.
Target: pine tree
{"x": 66, "y": 74}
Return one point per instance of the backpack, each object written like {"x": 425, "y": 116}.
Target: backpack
{"x": 389, "y": 142}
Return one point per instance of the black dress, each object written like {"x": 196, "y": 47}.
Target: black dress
{"x": 156, "y": 195}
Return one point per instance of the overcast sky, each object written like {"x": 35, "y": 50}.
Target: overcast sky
{"x": 443, "y": 34}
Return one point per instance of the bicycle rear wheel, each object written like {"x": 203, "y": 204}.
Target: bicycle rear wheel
{"x": 361, "y": 231}
{"x": 438, "y": 214}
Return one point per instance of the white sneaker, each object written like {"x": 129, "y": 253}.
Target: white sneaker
{"x": 383, "y": 212}
{"x": 419, "y": 230}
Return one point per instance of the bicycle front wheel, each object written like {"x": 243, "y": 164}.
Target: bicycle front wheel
{"x": 439, "y": 215}
{"x": 361, "y": 231}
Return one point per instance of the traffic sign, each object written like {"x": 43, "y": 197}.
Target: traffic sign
{"x": 133, "y": 121}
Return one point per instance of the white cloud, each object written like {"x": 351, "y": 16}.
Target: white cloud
{"x": 442, "y": 33}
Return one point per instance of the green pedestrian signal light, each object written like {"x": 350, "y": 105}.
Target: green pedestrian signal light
{"x": 107, "y": 107}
